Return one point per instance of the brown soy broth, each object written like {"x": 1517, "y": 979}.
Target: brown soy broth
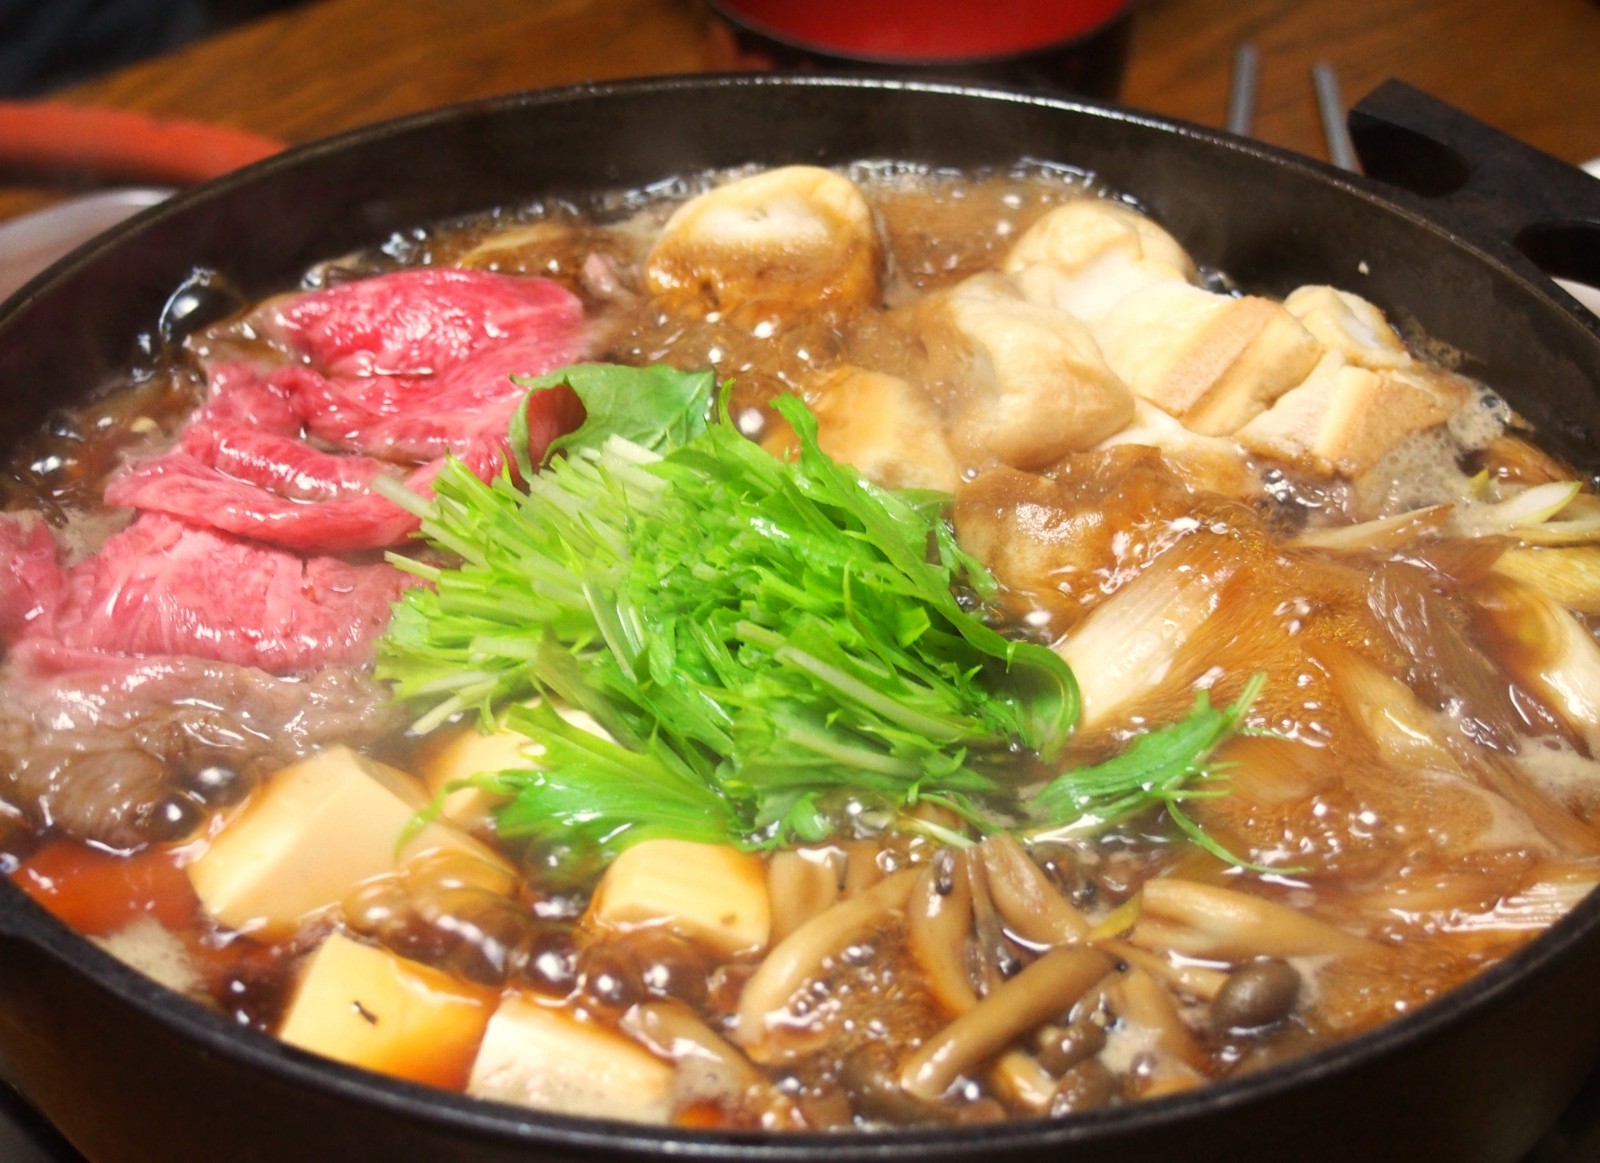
{"x": 1355, "y": 840}
{"x": 63, "y": 467}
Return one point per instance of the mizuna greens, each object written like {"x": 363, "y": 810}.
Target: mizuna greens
{"x": 770, "y": 645}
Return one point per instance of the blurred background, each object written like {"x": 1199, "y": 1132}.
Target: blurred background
{"x": 47, "y": 44}
{"x": 296, "y": 69}
{"x": 156, "y": 94}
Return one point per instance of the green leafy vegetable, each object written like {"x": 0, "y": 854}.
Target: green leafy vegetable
{"x": 655, "y": 407}
{"x": 1165, "y": 766}
{"x": 769, "y": 645}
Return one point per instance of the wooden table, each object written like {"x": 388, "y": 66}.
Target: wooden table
{"x": 1530, "y": 68}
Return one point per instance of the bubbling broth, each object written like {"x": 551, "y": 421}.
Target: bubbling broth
{"x": 1196, "y": 680}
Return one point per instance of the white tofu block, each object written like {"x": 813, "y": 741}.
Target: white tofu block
{"x": 1091, "y": 294}
{"x": 310, "y": 834}
{"x": 1076, "y": 235}
{"x": 469, "y": 752}
{"x": 538, "y": 1056}
{"x": 712, "y": 893}
{"x": 368, "y": 1007}
{"x": 1212, "y": 360}
{"x": 1086, "y": 257}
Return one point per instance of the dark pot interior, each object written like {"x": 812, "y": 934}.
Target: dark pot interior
{"x": 132, "y": 1074}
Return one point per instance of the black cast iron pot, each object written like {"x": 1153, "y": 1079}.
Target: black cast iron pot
{"x": 133, "y": 1074}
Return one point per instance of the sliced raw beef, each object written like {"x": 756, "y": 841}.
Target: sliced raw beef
{"x": 291, "y": 468}
{"x": 416, "y": 322}
{"x": 452, "y": 340}
{"x": 289, "y": 494}
{"x": 118, "y": 750}
{"x": 134, "y": 682}
{"x": 243, "y": 394}
{"x": 31, "y": 582}
{"x": 163, "y": 587}
{"x": 183, "y": 487}
{"x": 272, "y": 488}
{"x": 416, "y": 418}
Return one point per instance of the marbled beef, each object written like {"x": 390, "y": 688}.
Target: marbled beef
{"x": 116, "y": 750}
{"x": 399, "y": 371}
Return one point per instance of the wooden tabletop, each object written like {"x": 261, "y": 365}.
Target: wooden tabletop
{"x": 1529, "y": 68}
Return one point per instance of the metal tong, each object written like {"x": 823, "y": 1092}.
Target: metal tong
{"x": 1330, "y": 104}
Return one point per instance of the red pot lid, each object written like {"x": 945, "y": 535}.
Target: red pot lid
{"x": 924, "y": 30}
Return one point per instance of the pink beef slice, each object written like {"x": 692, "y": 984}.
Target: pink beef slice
{"x": 272, "y": 488}
{"x": 403, "y": 370}
{"x": 415, "y": 322}
{"x": 32, "y": 584}
{"x": 161, "y": 587}
{"x": 417, "y": 418}
{"x": 240, "y": 394}
{"x": 283, "y": 491}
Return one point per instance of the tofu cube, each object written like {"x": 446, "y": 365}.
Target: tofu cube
{"x": 538, "y": 1056}
{"x": 310, "y": 834}
{"x": 1041, "y": 390}
{"x": 1075, "y": 236}
{"x": 1212, "y": 360}
{"x": 1343, "y": 418}
{"x": 370, "y": 1008}
{"x": 709, "y": 892}
{"x": 1350, "y": 325}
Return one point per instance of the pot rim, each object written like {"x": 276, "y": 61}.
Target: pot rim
{"x": 524, "y": 1125}
{"x": 24, "y": 920}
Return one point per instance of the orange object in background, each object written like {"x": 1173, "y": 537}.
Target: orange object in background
{"x": 73, "y": 148}
{"x": 118, "y": 145}
{"x": 1074, "y": 46}
{"x": 926, "y": 30}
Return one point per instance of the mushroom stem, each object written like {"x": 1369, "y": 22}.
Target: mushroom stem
{"x": 937, "y": 929}
{"x": 800, "y": 884}
{"x": 1044, "y": 990}
{"x": 800, "y": 955}
{"x": 1021, "y": 1079}
{"x": 671, "y": 1031}
{"x": 1233, "y": 926}
{"x": 1033, "y": 908}
{"x": 1195, "y": 980}
{"x": 996, "y": 957}
{"x": 1146, "y": 1005}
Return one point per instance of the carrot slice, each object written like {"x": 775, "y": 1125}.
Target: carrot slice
{"x": 97, "y": 892}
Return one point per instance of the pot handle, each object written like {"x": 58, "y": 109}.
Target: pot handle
{"x": 1480, "y": 182}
